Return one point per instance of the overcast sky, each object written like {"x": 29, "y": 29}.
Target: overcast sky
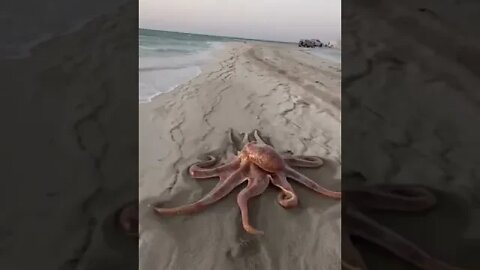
{"x": 283, "y": 20}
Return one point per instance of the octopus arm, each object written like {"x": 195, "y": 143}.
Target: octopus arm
{"x": 370, "y": 230}
{"x": 351, "y": 257}
{"x": 199, "y": 171}
{"x": 256, "y": 186}
{"x": 405, "y": 198}
{"x": 217, "y": 193}
{"x": 287, "y": 197}
{"x": 293, "y": 174}
{"x": 303, "y": 161}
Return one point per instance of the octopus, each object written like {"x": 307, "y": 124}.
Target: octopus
{"x": 387, "y": 197}
{"x": 258, "y": 164}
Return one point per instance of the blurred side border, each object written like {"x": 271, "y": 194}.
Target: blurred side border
{"x": 410, "y": 110}
{"x": 69, "y": 74}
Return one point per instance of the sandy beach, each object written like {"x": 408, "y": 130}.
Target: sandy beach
{"x": 291, "y": 97}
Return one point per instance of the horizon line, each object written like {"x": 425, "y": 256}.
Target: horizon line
{"x": 204, "y": 34}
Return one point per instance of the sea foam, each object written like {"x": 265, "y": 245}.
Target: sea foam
{"x": 168, "y": 59}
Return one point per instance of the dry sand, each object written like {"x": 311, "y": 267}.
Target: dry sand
{"x": 291, "y": 97}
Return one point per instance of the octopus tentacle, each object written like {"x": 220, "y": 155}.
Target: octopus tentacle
{"x": 293, "y": 174}
{"x": 408, "y": 198}
{"x": 287, "y": 197}
{"x": 244, "y": 139}
{"x": 258, "y": 137}
{"x": 217, "y": 193}
{"x": 199, "y": 171}
{"x": 255, "y": 187}
{"x": 303, "y": 161}
{"x": 366, "y": 228}
{"x": 351, "y": 257}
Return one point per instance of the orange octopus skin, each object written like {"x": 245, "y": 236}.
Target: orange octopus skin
{"x": 264, "y": 157}
{"x": 258, "y": 164}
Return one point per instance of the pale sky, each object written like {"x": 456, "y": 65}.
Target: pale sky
{"x": 282, "y": 20}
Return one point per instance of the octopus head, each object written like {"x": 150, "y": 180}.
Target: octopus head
{"x": 264, "y": 156}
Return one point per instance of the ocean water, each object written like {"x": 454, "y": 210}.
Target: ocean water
{"x": 168, "y": 59}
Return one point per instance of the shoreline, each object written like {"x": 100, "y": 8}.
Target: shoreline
{"x": 214, "y": 53}
{"x": 218, "y": 54}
